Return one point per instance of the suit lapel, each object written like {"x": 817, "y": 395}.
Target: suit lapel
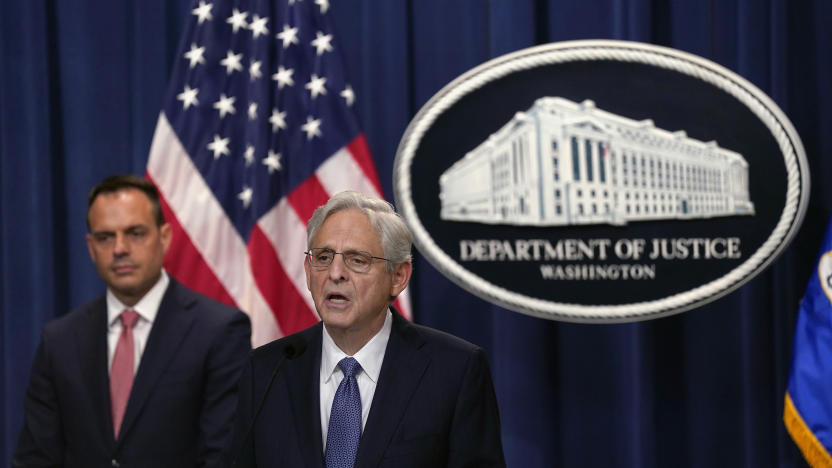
{"x": 303, "y": 378}
{"x": 173, "y": 322}
{"x": 401, "y": 371}
{"x": 92, "y": 355}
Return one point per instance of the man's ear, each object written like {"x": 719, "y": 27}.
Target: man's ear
{"x": 166, "y": 236}
{"x": 90, "y": 240}
{"x": 401, "y": 276}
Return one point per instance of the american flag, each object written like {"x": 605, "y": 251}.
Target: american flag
{"x": 257, "y": 130}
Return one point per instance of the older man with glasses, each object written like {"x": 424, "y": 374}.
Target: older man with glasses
{"x": 365, "y": 387}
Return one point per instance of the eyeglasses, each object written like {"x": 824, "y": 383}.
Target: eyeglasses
{"x": 356, "y": 260}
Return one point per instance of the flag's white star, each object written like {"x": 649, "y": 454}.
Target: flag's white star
{"x": 349, "y": 95}
{"x": 292, "y": 2}
{"x": 284, "y": 77}
{"x": 237, "y": 20}
{"x": 195, "y": 55}
{"x": 246, "y": 195}
{"x": 249, "y": 155}
{"x": 289, "y": 36}
{"x": 278, "y": 120}
{"x": 188, "y": 97}
{"x": 312, "y": 127}
{"x": 324, "y": 4}
{"x": 252, "y": 110}
{"x": 258, "y": 26}
{"x": 316, "y": 85}
{"x": 273, "y": 162}
{"x": 225, "y": 105}
{"x": 219, "y": 146}
{"x": 322, "y": 42}
{"x": 254, "y": 69}
{"x": 203, "y": 11}
{"x": 231, "y": 62}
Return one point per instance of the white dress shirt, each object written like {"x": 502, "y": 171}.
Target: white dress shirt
{"x": 147, "y": 308}
{"x": 370, "y": 357}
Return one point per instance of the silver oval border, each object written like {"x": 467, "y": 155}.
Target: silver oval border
{"x": 797, "y": 191}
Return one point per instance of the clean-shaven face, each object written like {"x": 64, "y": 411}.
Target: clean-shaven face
{"x": 348, "y": 301}
{"x": 125, "y": 243}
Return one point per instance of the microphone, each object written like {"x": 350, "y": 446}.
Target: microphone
{"x": 295, "y": 346}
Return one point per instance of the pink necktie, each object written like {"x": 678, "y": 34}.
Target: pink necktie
{"x": 121, "y": 373}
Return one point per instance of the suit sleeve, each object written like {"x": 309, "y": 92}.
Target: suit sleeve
{"x": 224, "y": 364}
{"x": 41, "y": 440}
{"x": 475, "y": 431}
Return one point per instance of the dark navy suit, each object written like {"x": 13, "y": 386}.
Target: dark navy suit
{"x": 434, "y": 405}
{"x": 183, "y": 399}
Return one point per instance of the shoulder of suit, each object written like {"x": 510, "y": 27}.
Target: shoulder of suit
{"x": 76, "y": 316}
{"x": 439, "y": 340}
{"x": 207, "y": 306}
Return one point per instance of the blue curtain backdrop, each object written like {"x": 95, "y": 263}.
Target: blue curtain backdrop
{"x": 81, "y": 85}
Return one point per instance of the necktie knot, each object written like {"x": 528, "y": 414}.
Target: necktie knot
{"x": 349, "y": 366}
{"x": 129, "y": 318}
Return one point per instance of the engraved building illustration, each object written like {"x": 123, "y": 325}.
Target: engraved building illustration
{"x": 565, "y": 163}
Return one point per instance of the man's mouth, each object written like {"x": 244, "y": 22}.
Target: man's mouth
{"x": 336, "y": 298}
{"x": 123, "y": 269}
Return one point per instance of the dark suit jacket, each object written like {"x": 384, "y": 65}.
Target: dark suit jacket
{"x": 434, "y": 405}
{"x": 181, "y": 407}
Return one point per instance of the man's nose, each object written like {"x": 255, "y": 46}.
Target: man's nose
{"x": 120, "y": 247}
{"x": 338, "y": 268}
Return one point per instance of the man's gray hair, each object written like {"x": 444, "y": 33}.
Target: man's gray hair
{"x": 396, "y": 239}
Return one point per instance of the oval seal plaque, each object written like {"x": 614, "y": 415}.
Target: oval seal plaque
{"x": 601, "y": 181}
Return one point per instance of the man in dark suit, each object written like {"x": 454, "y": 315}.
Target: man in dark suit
{"x": 145, "y": 376}
{"x": 365, "y": 387}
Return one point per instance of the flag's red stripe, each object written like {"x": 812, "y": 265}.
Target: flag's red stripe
{"x": 361, "y": 153}
{"x": 306, "y": 197}
{"x": 290, "y": 310}
{"x": 397, "y": 303}
{"x": 186, "y": 264}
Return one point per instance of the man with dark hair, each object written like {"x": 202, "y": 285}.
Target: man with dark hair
{"x": 365, "y": 388}
{"x": 115, "y": 183}
{"x": 144, "y": 376}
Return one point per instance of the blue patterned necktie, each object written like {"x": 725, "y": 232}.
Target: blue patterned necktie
{"x": 345, "y": 419}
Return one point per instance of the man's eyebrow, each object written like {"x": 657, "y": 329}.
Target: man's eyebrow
{"x": 112, "y": 231}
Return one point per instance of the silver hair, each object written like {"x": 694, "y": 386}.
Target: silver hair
{"x": 396, "y": 239}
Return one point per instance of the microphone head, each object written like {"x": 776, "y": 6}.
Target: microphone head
{"x": 295, "y": 346}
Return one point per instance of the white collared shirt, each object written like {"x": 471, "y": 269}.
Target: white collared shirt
{"x": 147, "y": 308}
{"x": 370, "y": 357}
